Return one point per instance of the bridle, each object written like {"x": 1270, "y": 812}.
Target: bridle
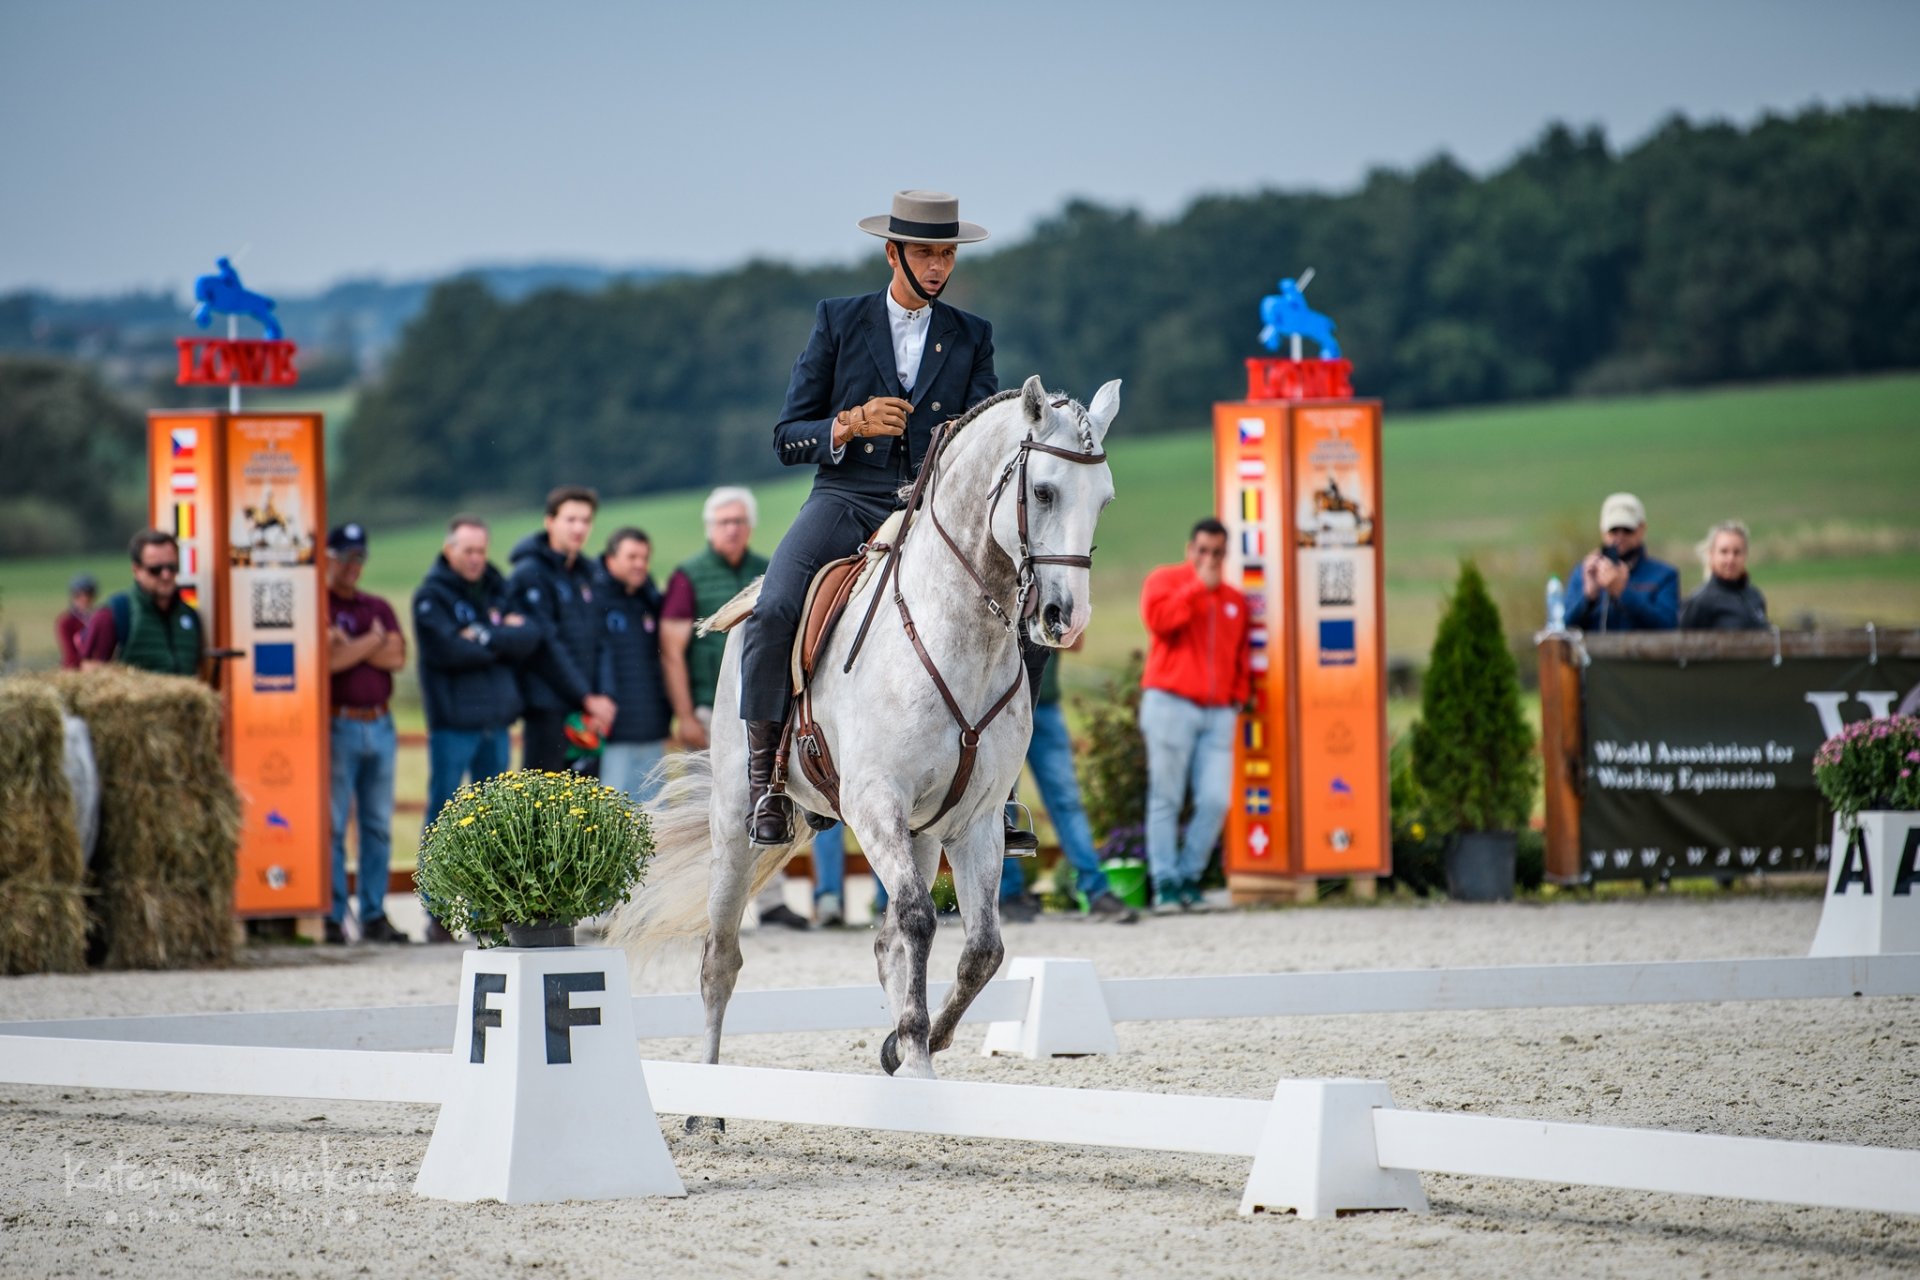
{"x": 1026, "y": 603}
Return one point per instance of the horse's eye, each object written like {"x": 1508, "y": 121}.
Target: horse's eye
{"x": 1043, "y": 493}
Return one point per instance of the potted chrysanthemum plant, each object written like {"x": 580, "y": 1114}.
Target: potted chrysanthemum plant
{"x": 525, "y": 856}
{"x": 1870, "y": 773}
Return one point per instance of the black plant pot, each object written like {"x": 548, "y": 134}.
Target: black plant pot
{"x": 1479, "y": 865}
{"x": 542, "y": 933}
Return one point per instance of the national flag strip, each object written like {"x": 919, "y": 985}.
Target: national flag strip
{"x": 1253, "y": 543}
{"x": 1257, "y": 769}
{"x": 1259, "y": 800}
{"x": 1257, "y": 637}
{"x": 191, "y": 595}
{"x": 189, "y": 561}
{"x": 1258, "y": 660}
{"x": 1253, "y": 469}
{"x": 184, "y": 439}
{"x": 1257, "y": 605}
{"x": 183, "y": 520}
{"x": 1253, "y": 577}
{"x": 1253, "y": 736}
{"x": 1252, "y": 429}
{"x": 1251, "y": 505}
{"x": 184, "y": 480}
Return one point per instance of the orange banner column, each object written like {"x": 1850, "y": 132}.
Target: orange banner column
{"x": 1251, "y": 464}
{"x": 1298, "y": 487}
{"x": 275, "y": 612}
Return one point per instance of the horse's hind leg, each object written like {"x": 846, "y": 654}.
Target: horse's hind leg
{"x": 720, "y": 959}
{"x": 905, "y": 937}
{"x": 976, "y": 878}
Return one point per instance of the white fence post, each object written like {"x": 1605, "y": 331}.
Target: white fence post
{"x": 1066, "y": 1013}
{"x": 1317, "y": 1156}
{"x": 1873, "y": 887}
{"x": 545, "y": 1097}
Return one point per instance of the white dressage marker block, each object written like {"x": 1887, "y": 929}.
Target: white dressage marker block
{"x": 1873, "y": 888}
{"x": 1317, "y": 1158}
{"x": 545, "y": 1097}
{"x": 1066, "y": 1013}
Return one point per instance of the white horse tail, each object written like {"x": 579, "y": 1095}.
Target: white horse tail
{"x": 735, "y": 611}
{"x": 671, "y": 903}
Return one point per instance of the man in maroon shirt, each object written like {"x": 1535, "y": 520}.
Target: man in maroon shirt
{"x": 364, "y": 648}
{"x": 72, "y": 622}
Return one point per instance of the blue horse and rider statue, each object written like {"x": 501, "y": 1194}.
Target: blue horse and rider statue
{"x": 1286, "y": 313}
{"x": 223, "y": 292}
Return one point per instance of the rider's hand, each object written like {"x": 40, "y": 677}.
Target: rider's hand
{"x": 880, "y": 416}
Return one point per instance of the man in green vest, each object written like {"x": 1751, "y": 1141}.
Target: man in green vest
{"x": 691, "y": 663}
{"x": 697, "y": 588}
{"x": 149, "y": 627}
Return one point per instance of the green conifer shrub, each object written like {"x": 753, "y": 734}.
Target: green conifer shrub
{"x": 1473, "y": 752}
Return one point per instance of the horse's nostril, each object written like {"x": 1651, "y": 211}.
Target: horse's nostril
{"x": 1053, "y": 619}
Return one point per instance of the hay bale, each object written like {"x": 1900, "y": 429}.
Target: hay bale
{"x": 163, "y": 870}
{"x": 43, "y": 915}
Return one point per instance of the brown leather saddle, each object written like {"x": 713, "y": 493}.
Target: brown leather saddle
{"x": 833, "y": 586}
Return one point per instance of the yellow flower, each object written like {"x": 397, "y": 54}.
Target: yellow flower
{"x": 1419, "y": 832}
{"x": 467, "y": 821}
{"x": 576, "y": 812}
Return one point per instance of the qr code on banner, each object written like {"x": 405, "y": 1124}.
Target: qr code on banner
{"x": 1336, "y": 582}
{"x": 273, "y": 605}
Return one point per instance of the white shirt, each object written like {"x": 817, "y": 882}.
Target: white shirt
{"x": 909, "y": 339}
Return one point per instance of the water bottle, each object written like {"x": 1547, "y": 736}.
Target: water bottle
{"x": 1556, "y": 605}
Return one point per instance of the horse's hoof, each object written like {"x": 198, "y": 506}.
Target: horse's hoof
{"x": 697, "y": 1124}
{"x": 890, "y": 1053}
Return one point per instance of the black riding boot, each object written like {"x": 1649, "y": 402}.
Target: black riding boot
{"x": 769, "y": 817}
{"x": 1021, "y": 842}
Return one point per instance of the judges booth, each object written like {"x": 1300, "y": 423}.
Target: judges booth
{"x": 1690, "y": 753}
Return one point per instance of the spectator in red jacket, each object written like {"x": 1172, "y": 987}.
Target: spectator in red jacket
{"x": 1198, "y": 677}
{"x": 71, "y": 626}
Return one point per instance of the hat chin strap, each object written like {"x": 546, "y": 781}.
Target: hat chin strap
{"x": 913, "y": 281}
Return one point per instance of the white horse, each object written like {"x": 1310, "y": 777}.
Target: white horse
{"x": 1003, "y": 535}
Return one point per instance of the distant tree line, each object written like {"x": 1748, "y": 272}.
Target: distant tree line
{"x": 1706, "y": 253}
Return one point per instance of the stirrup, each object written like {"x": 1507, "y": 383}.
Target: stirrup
{"x": 1021, "y": 842}
{"x": 753, "y": 821}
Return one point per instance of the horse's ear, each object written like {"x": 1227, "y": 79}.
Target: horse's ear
{"x": 1106, "y": 404}
{"x": 1033, "y": 400}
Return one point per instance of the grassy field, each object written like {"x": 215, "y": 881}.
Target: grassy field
{"x": 1826, "y": 474}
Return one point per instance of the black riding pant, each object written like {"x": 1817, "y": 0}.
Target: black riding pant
{"x": 831, "y": 526}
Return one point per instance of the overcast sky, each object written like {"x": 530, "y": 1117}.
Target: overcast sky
{"x": 141, "y": 138}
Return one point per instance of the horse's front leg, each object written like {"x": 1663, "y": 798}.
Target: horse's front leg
{"x": 900, "y": 948}
{"x": 975, "y": 859}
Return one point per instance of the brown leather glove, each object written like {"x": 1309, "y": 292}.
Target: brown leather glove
{"x": 880, "y": 416}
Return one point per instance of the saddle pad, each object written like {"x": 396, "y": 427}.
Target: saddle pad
{"x": 833, "y": 585}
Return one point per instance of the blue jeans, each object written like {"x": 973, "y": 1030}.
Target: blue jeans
{"x": 1013, "y": 883}
{"x": 625, "y": 765}
{"x": 830, "y": 863}
{"x": 455, "y": 754}
{"x": 1050, "y": 756}
{"x": 363, "y": 753}
{"x": 1187, "y": 745}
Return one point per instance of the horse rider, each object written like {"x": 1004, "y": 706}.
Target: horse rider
{"x": 879, "y": 374}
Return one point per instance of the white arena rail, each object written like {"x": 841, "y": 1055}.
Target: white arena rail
{"x": 1319, "y": 1147}
{"x": 1010, "y": 1001}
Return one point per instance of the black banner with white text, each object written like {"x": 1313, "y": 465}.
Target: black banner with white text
{"x": 1707, "y": 768}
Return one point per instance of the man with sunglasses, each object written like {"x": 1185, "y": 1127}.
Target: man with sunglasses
{"x": 1199, "y": 674}
{"x": 1619, "y": 587}
{"x": 149, "y": 627}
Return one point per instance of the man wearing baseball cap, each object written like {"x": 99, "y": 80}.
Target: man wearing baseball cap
{"x": 879, "y": 373}
{"x": 71, "y": 625}
{"x": 364, "y": 648}
{"x": 1619, "y": 586}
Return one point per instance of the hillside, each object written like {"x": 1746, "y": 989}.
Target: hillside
{"x": 1824, "y": 472}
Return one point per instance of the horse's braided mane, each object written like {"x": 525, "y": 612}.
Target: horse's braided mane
{"x": 982, "y": 407}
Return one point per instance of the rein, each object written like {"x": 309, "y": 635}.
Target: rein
{"x": 1026, "y": 603}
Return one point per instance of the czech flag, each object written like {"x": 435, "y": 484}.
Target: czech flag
{"x": 1252, "y": 429}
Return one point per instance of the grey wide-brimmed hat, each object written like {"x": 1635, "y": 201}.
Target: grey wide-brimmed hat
{"x": 924, "y": 217}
